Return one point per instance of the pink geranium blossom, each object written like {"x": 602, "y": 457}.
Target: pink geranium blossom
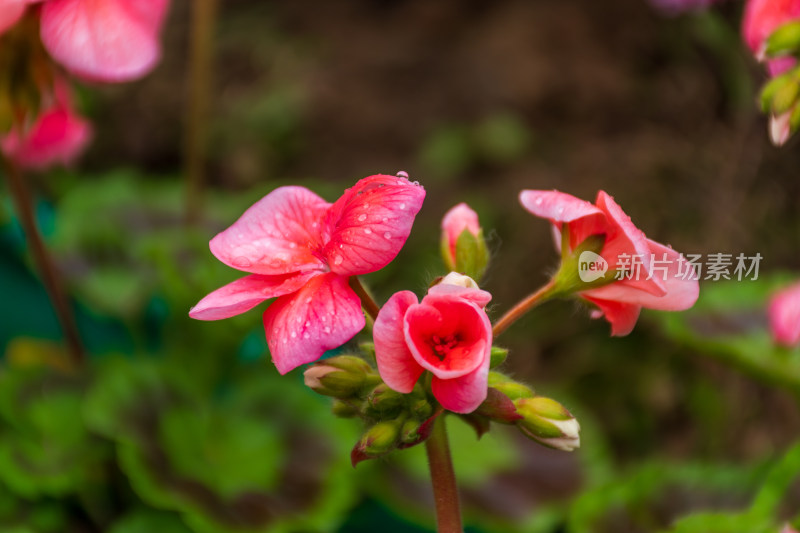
{"x": 447, "y": 334}
{"x": 57, "y": 136}
{"x": 761, "y": 18}
{"x": 661, "y": 278}
{"x": 455, "y": 221}
{"x": 784, "y": 316}
{"x": 302, "y": 250}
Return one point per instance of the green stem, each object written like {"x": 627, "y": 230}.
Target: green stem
{"x": 445, "y": 490}
{"x": 196, "y": 121}
{"x": 367, "y": 302}
{"x": 23, "y": 204}
{"x": 524, "y": 306}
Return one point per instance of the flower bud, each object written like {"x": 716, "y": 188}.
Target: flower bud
{"x": 463, "y": 245}
{"x": 409, "y": 433}
{"x": 383, "y": 402}
{"x": 341, "y": 376}
{"x": 498, "y": 407}
{"x": 498, "y": 356}
{"x": 344, "y": 409}
{"x": 784, "y": 41}
{"x": 510, "y": 388}
{"x": 548, "y": 422}
{"x": 377, "y": 440}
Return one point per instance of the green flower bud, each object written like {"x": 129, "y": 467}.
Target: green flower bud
{"x": 380, "y": 438}
{"x": 548, "y": 422}
{"x": 344, "y": 409}
{"x": 384, "y": 402}
{"x": 463, "y": 245}
{"x": 409, "y": 433}
{"x": 509, "y": 387}
{"x": 498, "y": 356}
{"x": 784, "y": 41}
{"x": 421, "y": 409}
{"x": 341, "y": 376}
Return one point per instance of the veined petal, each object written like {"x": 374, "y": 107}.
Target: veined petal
{"x": 396, "y": 365}
{"x": 245, "y": 293}
{"x": 279, "y": 234}
{"x": 621, "y": 316}
{"x": 104, "y": 40}
{"x": 677, "y": 277}
{"x": 324, "y": 314}
{"x": 370, "y": 223}
{"x": 463, "y": 394}
{"x": 477, "y": 296}
{"x": 583, "y": 218}
{"x": 623, "y": 238}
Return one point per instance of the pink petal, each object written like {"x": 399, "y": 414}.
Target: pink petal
{"x": 681, "y": 289}
{"x": 279, "y": 234}
{"x": 370, "y": 223}
{"x": 780, "y": 128}
{"x": 57, "y": 137}
{"x": 784, "y": 316}
{"x": 396, "y": 365}
{"x": 762, "y": 17}
{"x": 10, "y": 13}
{"x": 444, "y": 316}
{"x": 476, "y": 296}
{"x": 104, "y": 40}
{"x": 584, "y": 219}
{"x": 466, "y": 393}
{"x": 245, "y": 293}
{"x": 623, "y": 238}
{"x": 455, "y": 221}
{"x": 621, "y": 316}
{"x": 302, "y": 326}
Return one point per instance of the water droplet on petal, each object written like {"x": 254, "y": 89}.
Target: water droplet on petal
{"x": 308, "y": 300}
{"x": 385, "y": 220}
{"x": 387, "y": 235}
{"x": 314, "y": 224}
{"x": 326, "y": 329}
{"x": 402, "y": 174}
{"x": 415, "y": 183}
{"x": 338, "y": 260}
{"x": 292, "y": 245}
{"x": 362, "y": 218}
{"x": 241, "y": 262}
{"x": 306, "y": 335}
{"x": 538, "y": 201}
{"x": 308, "y": 324}
{"x": 294, "y": 334}
{"x": 402, "y": 206}
{"x": 367, "y": 231}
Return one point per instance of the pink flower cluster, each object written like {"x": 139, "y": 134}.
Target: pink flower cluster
{"x": 95, "y": 40}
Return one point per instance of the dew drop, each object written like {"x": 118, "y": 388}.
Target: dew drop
{"x": 415, "y": 182}
{"x": 308, "y": 300}
{"x": 314, "y": 224}
{"x": 294, "y": 334}
{"x": 402, "y": 174}
{"x": 276, "y": 263}
{"x": 306, "y": 335}
{"x": 367, "y": 231}
{"x": 538, "y": 201}
{"x": 308, "y": 324}
{"x": 387, "y": 235}
{"x": 402, "y": 206}
{"x": 326, "y": 329}
{"x": 362, "y": 218}
{"x": 338, "y": 260}
{"x": 292, "y": 245}
{"x": 241, "y": 262}
{"x": 385, "y": 220}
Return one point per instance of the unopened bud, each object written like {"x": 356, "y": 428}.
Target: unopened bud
{"x": 463, "y": 245}
{"x": 421, "y": 409}
{"x": 380, "y": 438}
{"x": 409, "y": 433}
{"x": 549, "y": 423}
{"x": 498, "y": 356}
{"x": 512, "y": 389}
{"x": 341, "y": 376}
{"x": 459, "y": 280}
{"x": 344, "y": 409}
{"x": 784, "y": 41}
{"x": 383, "y": 401}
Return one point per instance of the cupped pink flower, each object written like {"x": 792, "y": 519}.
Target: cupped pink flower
{"x": 455, "y": 221}
{"x": 300, "y": 249}
{"x": 57, "y": 136}
{"x": 447, "y": 334}
{"x": 104, "y": 40}
{"x": 10, "y": 12}
{"x": 761, "y": 18}
{"x": 784, "y": 316}
{"x": 648, "y": 274}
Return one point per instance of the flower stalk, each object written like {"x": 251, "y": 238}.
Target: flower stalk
{"x": 52, "y": 281}
{"x": 445, "y": 490}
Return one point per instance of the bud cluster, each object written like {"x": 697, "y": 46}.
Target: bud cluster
{"x": 393, "y": 420}
{"x": 781, "y": 95}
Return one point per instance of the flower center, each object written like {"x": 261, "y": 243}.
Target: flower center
{"x": 442, "y": 345}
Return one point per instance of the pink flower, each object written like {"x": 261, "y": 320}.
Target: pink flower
{"x": 57, "y": 136}
{"x": 10, "y": 12}
{"x": 761, "y": 18}
{"x": 455, "y": 221}
{"x": 448, "y": 334}
{"x": 104, "y": 40}
{"x": 302, "y": 250}
{"x": 784, "y": 316}
{"x": 657, "y": 277}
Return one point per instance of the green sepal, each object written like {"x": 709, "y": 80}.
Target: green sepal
{"x": 472, "y": 255}
{"x": 784, "y": 41}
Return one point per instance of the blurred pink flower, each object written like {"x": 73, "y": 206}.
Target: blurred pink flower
{"x": 657, "y": 277}
{"x": 761, "y": 18}
{"x": 455, "y": 221}
{"x": 104, "y": 40}
{"x": 447, "y": 334}
{"x": 57, "y": 136}
{"x": 784, "y": 316}
{"x": 302, "y": 250}
{"x": 10, "y": 13}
